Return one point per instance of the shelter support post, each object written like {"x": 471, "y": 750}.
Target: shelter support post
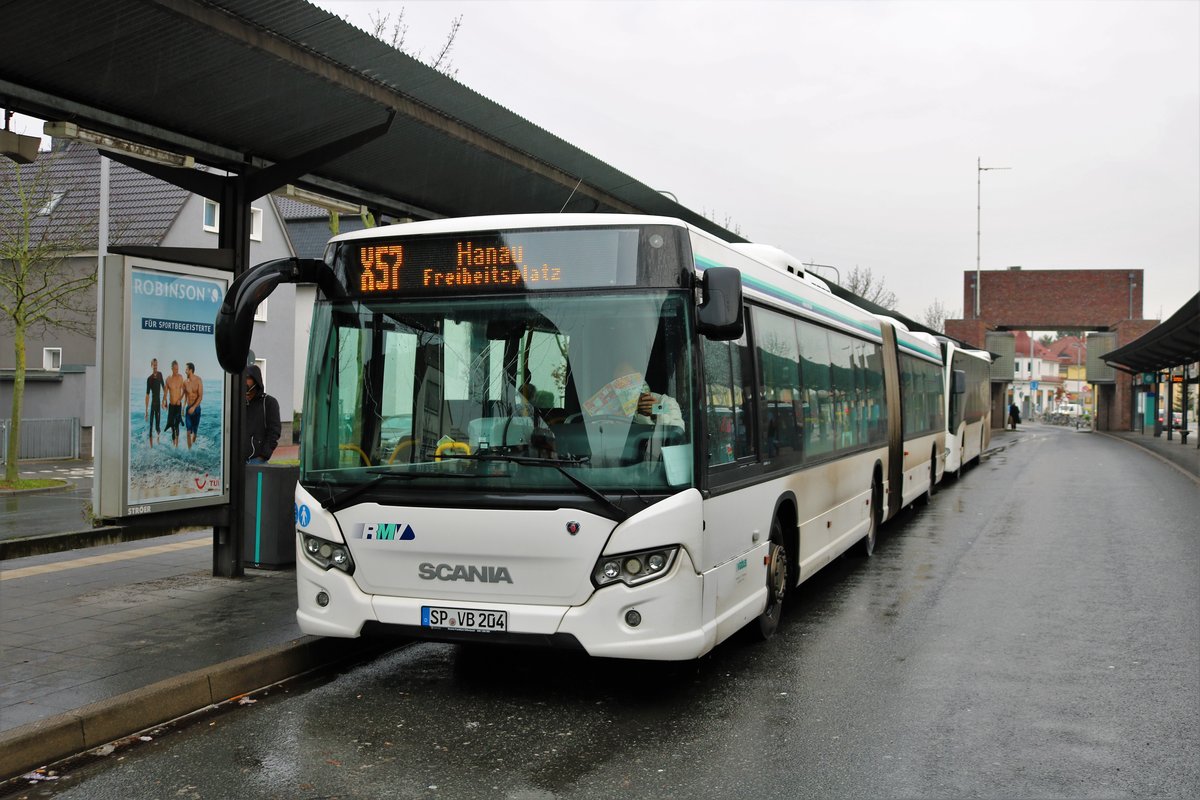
{"x": 235, "y": 193}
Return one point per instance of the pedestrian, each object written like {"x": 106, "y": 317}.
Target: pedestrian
{"x": 262, "y": 419}
{"x": 1014, "y": 416}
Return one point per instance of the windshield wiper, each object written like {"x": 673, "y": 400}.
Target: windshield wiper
{"x": 552, "y": 463}
{"x": 339, "y": 500}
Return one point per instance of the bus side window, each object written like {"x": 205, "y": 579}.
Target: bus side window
{"x": 779, "y": 370}
{"x": 729, "y": 374}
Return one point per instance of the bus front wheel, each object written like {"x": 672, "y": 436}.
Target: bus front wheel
{"x": 777, "y": 583}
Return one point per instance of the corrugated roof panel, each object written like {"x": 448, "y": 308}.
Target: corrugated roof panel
{"x": 267, "y": 80}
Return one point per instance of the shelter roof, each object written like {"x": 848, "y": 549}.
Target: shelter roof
{"x": 239, "y": 83}
{"x": 1172, "y": 344}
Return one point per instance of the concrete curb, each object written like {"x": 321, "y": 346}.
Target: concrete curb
{"x": 37, "y": 744}
{"x": 65, "y": 486}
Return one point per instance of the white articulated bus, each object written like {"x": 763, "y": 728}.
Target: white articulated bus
{"x": 968, "y": 396}
{"x": 612, "y": 433}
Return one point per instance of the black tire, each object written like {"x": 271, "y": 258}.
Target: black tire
{"x": 866, "y": 546}
{"x": 779, "y": 573}
{"x": 932, "y": 490}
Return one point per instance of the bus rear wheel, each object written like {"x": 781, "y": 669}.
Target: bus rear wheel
{"x": 777, "y": 583}
{"x": 927, "y": 495}
{"x": 873, "y": 531}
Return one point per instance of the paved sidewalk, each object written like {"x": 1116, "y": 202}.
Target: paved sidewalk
{"x": 100, "y": 643}
{"x": 1186, "y": 457}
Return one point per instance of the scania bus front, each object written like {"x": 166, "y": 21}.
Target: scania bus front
{"x": 499, "y": 436}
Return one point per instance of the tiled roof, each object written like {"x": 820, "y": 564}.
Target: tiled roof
{"x": 141, "y": 208}
{"x": 290, "y": 209}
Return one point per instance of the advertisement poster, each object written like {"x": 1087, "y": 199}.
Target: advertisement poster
{"x": 177, "y": 389}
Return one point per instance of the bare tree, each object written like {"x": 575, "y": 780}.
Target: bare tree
{"x": 935, "y": 315}
{"x": 862, "y": 282}
{"x": 395, "y": 33}
{"x": 728, "y": 223}
{"x": 40, "y": 286}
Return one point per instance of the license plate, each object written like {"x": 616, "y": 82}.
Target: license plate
{"x": 463, "y": 619}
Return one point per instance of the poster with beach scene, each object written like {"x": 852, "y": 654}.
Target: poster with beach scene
{"x": 177, "y": 389}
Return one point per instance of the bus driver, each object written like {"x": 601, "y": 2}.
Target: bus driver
{"x": 653, "y": 408}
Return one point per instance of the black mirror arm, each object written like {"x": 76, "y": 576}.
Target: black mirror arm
{"x": 235, "y": 318}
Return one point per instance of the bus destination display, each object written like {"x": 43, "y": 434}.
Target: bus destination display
{"x": 486, "y": 263}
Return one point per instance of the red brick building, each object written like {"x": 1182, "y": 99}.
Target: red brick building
{"x": 1108, "y": 300}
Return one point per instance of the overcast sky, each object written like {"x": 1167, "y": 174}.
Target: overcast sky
{"x": 847, "y": 133}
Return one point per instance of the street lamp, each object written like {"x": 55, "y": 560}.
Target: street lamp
{"x": 979, "y": 170}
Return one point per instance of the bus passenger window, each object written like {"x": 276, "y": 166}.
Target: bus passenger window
{"x": 779, "y": 368}
{"x": 729, "y": 396}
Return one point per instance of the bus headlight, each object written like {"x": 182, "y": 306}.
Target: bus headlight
{"x": 326, "y": 554}
{"x": 634, "y": 568}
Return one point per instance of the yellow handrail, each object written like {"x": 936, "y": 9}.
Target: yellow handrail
{"x": 405, "y": 443}
{"x": 357, "y": 449}
{"x": 458, "y": 447}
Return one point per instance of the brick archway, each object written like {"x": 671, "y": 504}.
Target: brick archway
{"x": 1100, "y": 300}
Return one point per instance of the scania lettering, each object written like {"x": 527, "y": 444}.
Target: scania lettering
{"x": 611, "y": 433}
{"x": 461, "y": 572}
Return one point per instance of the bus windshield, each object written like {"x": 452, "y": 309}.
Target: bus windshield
{"x": 528, "y": 392}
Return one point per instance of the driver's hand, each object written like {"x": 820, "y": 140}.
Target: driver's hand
{"x": 646, "y": 404}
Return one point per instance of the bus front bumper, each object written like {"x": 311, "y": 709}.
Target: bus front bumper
{"x": 667, "y": 612}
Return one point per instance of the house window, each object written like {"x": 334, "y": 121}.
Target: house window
{"x": 52, "y": 358}
{"x": 260, "y": 313}
{"x": 212, "y": 216}
{"x": 51, "y": 204}
{"x": 212, "y": 220}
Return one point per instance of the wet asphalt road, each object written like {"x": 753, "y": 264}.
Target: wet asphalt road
{"x": 37, "y": 513}
{"x": 1035, "y": 632}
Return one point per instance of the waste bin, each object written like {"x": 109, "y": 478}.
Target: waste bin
{"x": 269, "y": 521}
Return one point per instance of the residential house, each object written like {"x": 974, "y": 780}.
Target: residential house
{"x": 61, "y": 379}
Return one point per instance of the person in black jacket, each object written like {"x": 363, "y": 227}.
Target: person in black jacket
{"x": 262, "y": 419}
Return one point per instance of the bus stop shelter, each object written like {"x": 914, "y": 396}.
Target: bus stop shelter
{"x": 281, "y": 92}
{"x": 1170, "y": 354}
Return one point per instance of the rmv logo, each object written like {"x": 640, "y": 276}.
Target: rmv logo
{"x": 388, "y": 531}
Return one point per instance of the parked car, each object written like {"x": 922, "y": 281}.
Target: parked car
{"x": 1176, "y": 419}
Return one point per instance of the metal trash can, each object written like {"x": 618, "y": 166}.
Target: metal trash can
{"x": 269, "y": 522}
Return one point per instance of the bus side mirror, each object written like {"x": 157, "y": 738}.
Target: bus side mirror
{"x": 960, "y": 382}
{"x": 235, "y": 318}
{"x": 719, "y": 315}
